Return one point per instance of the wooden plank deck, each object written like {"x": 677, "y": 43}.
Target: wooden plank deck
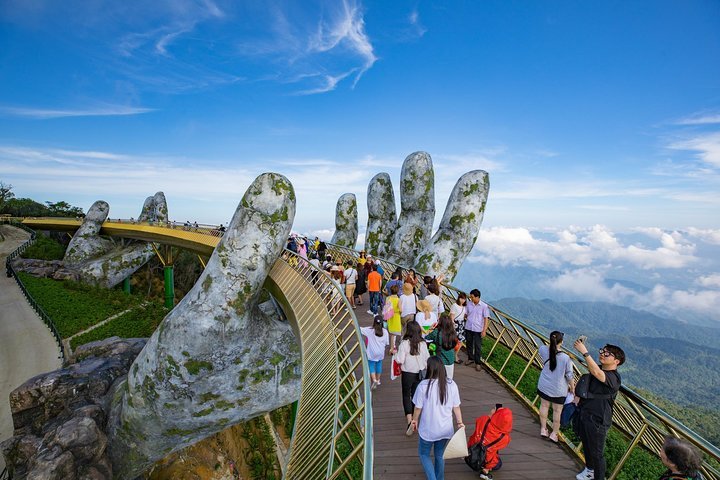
{"x": 527, "y": 457}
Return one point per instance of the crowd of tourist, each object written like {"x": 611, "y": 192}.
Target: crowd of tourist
{"x": 411, "y": 324}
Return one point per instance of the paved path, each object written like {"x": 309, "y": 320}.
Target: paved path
{"x": 27, "y": 348}
{"x": 527, "y": 456}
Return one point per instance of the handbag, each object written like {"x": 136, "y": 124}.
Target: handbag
{"x": 477, "y": 453}
{"x": 457, "y": 446}
{"x": 396, "y": 370}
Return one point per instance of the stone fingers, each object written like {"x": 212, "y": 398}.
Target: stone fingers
{"x": 459, "y": 227}
{"x": 417, "y": 202}
{"x": 87, "y": 243}
{"x": 215, "y": 359}
{"x": 346, "y": 221}
{"x": 154, "y": 209}
{"x": 382, "y": 218}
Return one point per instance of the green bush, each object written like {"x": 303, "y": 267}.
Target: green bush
{"x": 45, "y": 248}
{"x": 74, "y": 307}
{"x": 140, "y": 322}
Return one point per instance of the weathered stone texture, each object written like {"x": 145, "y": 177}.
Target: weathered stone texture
{"x": 346, "y": 221}
{"x": 417, "y": 208}
{"x": 216, "y": 359}
{"x": 59, "y": 417}
{"x": 459, "y": 227}
{"x": 382, "y": 217}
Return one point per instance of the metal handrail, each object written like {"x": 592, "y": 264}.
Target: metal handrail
{"x": 333, "y": 427}
{"x": 645, "y": 424}
{"x": 10, "y": 271}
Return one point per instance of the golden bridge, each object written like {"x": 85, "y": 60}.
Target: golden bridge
{"x": 342, "y": 430}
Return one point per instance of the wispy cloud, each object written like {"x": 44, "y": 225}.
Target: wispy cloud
{"x": 703, "y": 118}
{"x": 414, "y": 19}
{"x": 706, "y": 146}
{"x": 45, "y": 113}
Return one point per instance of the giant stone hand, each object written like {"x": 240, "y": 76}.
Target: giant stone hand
{"x": 216, "y": 359}
{"x": 101, "y": 261}
{"x": 407, "y": 240}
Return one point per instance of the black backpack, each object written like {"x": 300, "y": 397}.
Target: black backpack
{"x": 478, "y": 452}
{"x": 582, "y": 389}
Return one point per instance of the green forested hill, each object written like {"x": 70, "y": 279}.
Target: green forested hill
{"x": 674, "y": 361}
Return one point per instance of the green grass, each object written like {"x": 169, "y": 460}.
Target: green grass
{"x": 140, "y": 322}
{"x": 44, "y": 248}
{"x": 74, "y": 307}
{"x": 642, "y": 465}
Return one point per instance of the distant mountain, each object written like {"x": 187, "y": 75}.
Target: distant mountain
{"x": 671, "y": 359}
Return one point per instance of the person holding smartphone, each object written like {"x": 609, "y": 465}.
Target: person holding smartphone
{"x": 595, "y": 412}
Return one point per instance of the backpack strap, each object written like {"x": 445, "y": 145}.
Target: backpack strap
{"x": 495, "y": 441}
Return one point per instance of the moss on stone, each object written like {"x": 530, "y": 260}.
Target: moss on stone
{"x": 224, "y": 405}
{"x": 204, "y": 412}
{"x": 262, "y": 375}
{"x": 178, "y": 432}
{"x": 276, "y": 359}
{"x": 194, "y": 366}
{"x": 474, "y": 188}
{"x": 207, "y": 283}
{"x": 280, "y": 186}
{"x": 208, "y": 396}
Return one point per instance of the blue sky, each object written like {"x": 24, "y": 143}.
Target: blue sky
{"x": 583, "y": 113}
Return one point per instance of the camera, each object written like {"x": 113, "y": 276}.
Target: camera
{"x": 498, "y": 406}
{"x": 582, "y": 338}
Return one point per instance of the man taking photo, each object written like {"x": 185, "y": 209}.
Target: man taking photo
{"x": 595, "y": 412}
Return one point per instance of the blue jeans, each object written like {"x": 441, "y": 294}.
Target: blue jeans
{"x": 375, "y": 300}
{"x": 436, "y": 472}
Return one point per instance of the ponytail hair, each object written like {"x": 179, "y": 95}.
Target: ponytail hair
{"x": 556, "y": 339}
{"x": 378, "y": 325}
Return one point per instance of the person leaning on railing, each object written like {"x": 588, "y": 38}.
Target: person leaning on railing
{"x": 594, "y": 418}
{"x": 682, "y": 459}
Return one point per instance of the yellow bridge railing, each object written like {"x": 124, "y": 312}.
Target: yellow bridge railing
{"x": 643, "y": 424}
{"x": 332, "y": 435}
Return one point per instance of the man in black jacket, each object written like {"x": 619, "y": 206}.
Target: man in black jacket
{"x": 595, "y": 411}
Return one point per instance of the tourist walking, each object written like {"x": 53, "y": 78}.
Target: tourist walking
{"x": 478, "y": 314}
{"x": 556, "y": 380}
{"x": 374, "y": 281}
{"x": 408, "y": 307}
{"x": 425, "y": 317}
{"x": 457, "y": 313}
{"x": 377, "y": 339}
{"x": 412, "y": 355}
{"x": 351, "y": 276}
{"x": 394, "y": 326}
{"x": 445, "y": 340}
{"x": 433, "y": 297}
{"x": 360, "y": 284}
{"x": 594, "y": 416}
{"x": 436, "y": 400}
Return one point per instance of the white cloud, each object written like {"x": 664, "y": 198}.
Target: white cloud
{"x": 100, "y": 111}
{"x": 518, "y": 246}
{"x": 709, "y": 281}
{"x": 707, "y": 235}
{"x": 707, "y": 146}
{"x": 414, "y": 19}
{"x": 700, "y": 119}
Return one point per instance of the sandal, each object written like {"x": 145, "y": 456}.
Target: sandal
{"x": 544, "y": 433}
{"x": 553, "y": 437}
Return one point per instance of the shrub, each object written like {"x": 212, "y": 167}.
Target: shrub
{"x": 140, "y": 322}
{"x": 45, "y": 248}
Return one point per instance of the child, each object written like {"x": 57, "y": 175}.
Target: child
{"x": 377, "y": 339}
{"x": 494, "y": 432}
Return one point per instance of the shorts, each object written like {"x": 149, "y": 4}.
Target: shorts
{"x": 556, "y": 400}
{"x": 375, "y": 366}
{"x": 349, "y": 290}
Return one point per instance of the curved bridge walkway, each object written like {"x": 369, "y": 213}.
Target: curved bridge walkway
{"x": 527, "y": 456}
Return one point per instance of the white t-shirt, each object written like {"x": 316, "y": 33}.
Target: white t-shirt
{"x": 457, "y": 313}
{"x": 426, "y": 323}
{"x": 412, "y": 363}
{"x": 376, "y": 345}
{"x": 436, "y": 303}
{"x": 407, "y": 305}
{"x": 350, "y": 276}
{"x": 436, "y": 419}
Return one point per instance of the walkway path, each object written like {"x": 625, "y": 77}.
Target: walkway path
{"x": 527, "y": 456}
{"x": 27, "y": 348}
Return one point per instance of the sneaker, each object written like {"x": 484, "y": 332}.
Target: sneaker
{"x": 553, "y": 437}
{"x": 378, "y": 383}
{"x": 409, "y": 430}
{"x": 370, "y": 312}
{"x": 468, "y": 362}
{"x": 586, "y": 474}
{"x": 373, "y": 386}
{"x": 544, "y": 433}
{"x": 486, "y": 476}
{"x": 478, "y": 368}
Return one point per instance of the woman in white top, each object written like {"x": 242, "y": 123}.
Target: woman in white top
{"x": 434, "y": 298}
{"x": 407, "y": 305}
{"x": 556, "y": 380}
{"x": 412, "y": 355}
{"x": 377, "y": 339}
{"x": 426, "y": 317}
{"x": 436, "y": 399}
{"x": 457, "y": 314}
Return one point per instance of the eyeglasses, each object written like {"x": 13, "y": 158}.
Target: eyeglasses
{"x": 606, "y": 353}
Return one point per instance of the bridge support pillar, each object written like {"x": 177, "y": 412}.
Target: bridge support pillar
{"x": 169, "y": 287}
{"x": 126, "y": 285}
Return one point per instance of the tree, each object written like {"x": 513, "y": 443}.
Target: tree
{"x": 5, "y": 192}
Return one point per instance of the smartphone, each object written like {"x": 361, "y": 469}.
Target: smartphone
{"x": 498, "y": 406}
{"x": 582, "y": 338}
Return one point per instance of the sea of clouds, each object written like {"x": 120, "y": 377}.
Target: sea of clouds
{"x": 671, "y": 273}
